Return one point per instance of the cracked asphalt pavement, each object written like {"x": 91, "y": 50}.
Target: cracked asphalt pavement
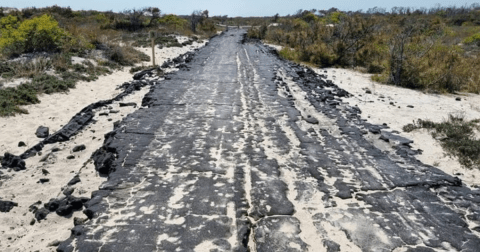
{"x": 240, "y": 150}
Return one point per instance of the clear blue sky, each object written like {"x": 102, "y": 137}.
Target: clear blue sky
{"x": 234, "y": 7}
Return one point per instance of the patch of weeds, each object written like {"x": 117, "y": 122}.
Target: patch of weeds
{"x": 79, "y": 68}
{"x": 457, "y": 137}
{"x": 62, "y": 62}
{"x": 109, "y": 64}
{"x": 6, "y": 70}
{"x": 27, "y": 93}
{"x": 125, "y": 56}
{"x": 29, "y": 68}
{"x": 50, "y": 84}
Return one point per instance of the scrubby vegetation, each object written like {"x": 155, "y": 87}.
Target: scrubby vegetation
{"x": 435, "y": 50}
{"x": 457, "y": 137}
{"x": 39, "y": 45}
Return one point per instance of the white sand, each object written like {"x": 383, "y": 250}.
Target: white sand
{"x": 54, "y": 111}
{"x": 425, "y": 106}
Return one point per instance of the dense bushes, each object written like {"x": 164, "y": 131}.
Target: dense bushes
{"x": 173, "y": 21}
{"x": 37, "y": 34}
{"x": 410, "y": 48}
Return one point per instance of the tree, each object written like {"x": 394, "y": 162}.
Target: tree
{"x": 275, "y": 18}
{"x": 205, "y": 13}
{"x": 195, "y": 18}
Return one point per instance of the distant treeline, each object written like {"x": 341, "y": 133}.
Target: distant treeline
{"x": 434, "y": 49}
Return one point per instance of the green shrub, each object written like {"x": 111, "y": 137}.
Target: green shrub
{"x": 309, "y": 17}
{"x": 474, "y": 39}
{"x": 173, "y": 21}
{"x": 335, "y": 17}
{"x": 457, "y": 138}
{"x": 32, "y": 35}
{"x": 289, "y": 54}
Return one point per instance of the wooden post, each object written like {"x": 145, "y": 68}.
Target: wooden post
{"x": 153, "y": 51}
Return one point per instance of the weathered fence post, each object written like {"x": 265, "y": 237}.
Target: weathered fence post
{"x": 152, "y": 35}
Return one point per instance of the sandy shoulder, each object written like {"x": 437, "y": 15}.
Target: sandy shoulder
{"x": 393, "y": 106}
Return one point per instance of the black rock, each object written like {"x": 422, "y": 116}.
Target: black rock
{"x": 68, "y": 191}
{"x": 331, "y": 246}
{"x": 21, "y": 144}
{"x": 458, "y": 99}
{"x": 14, "y": 162}
{"x": 52, "y": 205}
{"x": 114, "y": 111}
{"x": 74, "y": 180}
{"x": 43, "y": 180}
{"x": 126, "y": 104}
{"x": 56, "y": 149}
{"x": 32, "y": 222}
{"x": 311, "y": 119}
{"x": 409, "y": 106}
{"x": 71, "y": 157}
{"x": 54, "y": 243}
{"x": 368, "y": 91}
{"x": 143, "y": 73}
{"x": 6, "y": 206}
{"x": 79, "y": 148}
{"x": 78, "y": 230}
{"x": 42, "y": 132}
{"x": 103, "y": 114}
{"x": 41, "y": 214}
{"x": 387, "y": 136}
{"x": 45, "y": 172}
{"x": 64, "y": 210}
{"x": 382, "y": 137}
{"x": 76, "y": 203}
{"x": 375, "y": 129}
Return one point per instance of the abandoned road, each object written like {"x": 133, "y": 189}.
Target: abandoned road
{"x": 240, "y": 150}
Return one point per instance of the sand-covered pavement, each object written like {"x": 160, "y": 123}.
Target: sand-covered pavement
{"x": 54, "y": 165}
{"x": 240, "y": 150}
